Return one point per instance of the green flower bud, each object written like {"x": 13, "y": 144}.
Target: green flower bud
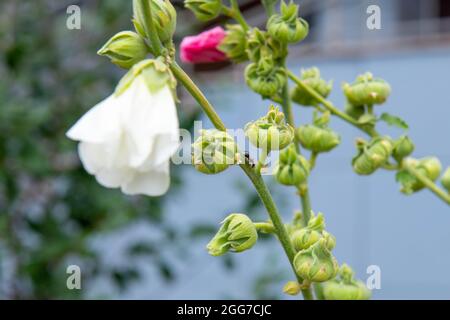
{"x": 330, "y": 240}
{"x": 261, "y": 44}
{"x": 345, "y": 287}
{"x": 236, "y": 234}
{"x": 234, "y": 45}
{"x": 312, "y": 78}
{"x": 317, "y": 139}
{"x": 372, "y": 156}
{"x": 316, "y": 264}
{"x": 292, "y": 288}
{"x": 367, "y": 90}
{"x": 287, "y": 26}
{"x": 265, "y": 78}
{"x": 164, "y": 18}
{"x": 305, "y": 238}
{"x": 125, "y": 49}
{"x": 445, "y": 180}
{"x": 214, "y": 151}
{"x": 356, "y": 112}
{"x": 403, "y": 147}
{"x": 204, "y": 10}
{"x": 270, "y": 132}
{"x": 429, "y": 167}
{"x": 292, "y": 169}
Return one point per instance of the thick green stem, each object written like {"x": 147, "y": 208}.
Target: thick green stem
{"x": 429, "y": 184}
{"x": 256, "y": 179}
{"x": 262, "y": 160}
{"x": 264, "y": 227}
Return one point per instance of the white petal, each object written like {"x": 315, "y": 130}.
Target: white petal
{"x": 99, "y": 124}
{"x": 153, "y": 183}
{"x": 146, "y": 117}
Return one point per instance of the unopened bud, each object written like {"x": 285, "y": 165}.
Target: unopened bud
{"x": 270, "y": 132}
{"x": 234, "y": 45}
{"x": 260, "y": 44}
{"x": 214, "y": 151}
{"x": 345, "y": 287}
{"x": 367, "y": 90}
{"x": 236, "y": 234}
{"x": 292, "y": 169}
{"x": 265, "y": 78}
{"x": 372, "y": 156}
{"x": 204, "y": 10}
{"x": 286, "y": 25}
{"x": 403, "y": 147}
{"x": 311, "y": 77}
{"x": 125, "y": 49}
{"x": 445, "y": 180}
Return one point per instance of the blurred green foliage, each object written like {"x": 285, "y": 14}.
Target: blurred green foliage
{"x": 50, "y": 208}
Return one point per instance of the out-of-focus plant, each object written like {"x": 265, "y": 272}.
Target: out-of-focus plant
{"x": 50, "y": 209}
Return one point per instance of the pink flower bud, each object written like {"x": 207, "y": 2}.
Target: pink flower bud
{"x": 203, "y": 48}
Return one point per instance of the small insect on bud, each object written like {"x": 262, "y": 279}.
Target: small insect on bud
{"x": 260, "y": 44}
{"x": 316, "y": 264}
{"x": 430, "y": 167}
{"x": 345, "y": 287}
{"x": 312, "y": 78}
{"x": 292, "y": 169}
{"x": 372, "y": 156}
{"x": 204, "y": 10}
{"x": 214, "y": 151}
{"x": 367, "y": 90}
{"x": 286, "y": 25}
{"x": 445, "y": 180}
{"x": 125, "y": 49}
{"x": 234, "y": 45}
{"x": 270, "y": 132}
{"x": 403, "y": 147}
{"x": 264, "y": 77}
{"x": 163, "y": 15}
{"x": 236, "y": 234}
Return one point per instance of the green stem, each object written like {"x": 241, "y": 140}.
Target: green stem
{"x": 330, "y": 107}
{"x": 256, "y": 179}
{"x": 149, "y": 28}
{"x": 264, "y": 227}
{"x": 262, "y": 160}
{"x": 235, "y": 13}
{"x": 312, "y": 160}
{"x": 269, "y": 5}
{"x": 429, "y": 184}
{"x": 190, "y": 86}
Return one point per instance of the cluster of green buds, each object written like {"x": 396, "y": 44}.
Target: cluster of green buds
{"x": 261, "y": 44}
{"x": 270, "y": 132}
{"x": 318, "y": 137}
{"x": 264, "y": 77}
{"x": 234, "y": 45}
{"x": 367, "y": 90}
{"x": 345, "y": 286}
{"x": 292, "y": 169}
{"x": 304, "y": 238}
{"x": 445, "y": 180}
{"x": 316, "y": 264}
{"x": 163, "y": 16}
{"x": 127, "y": 48}
{"x": 429, "y": 167}
{"x": 286, "y": 25}
{"x": 237, "y": 233}
{"x": 312, "y": 78}
{"x": 403, "y": 147}
{"x": 372, "y": 155}
{"x": 214, "y": 151}
{"x": 204, "y": 10}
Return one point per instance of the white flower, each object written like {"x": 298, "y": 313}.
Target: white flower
{"x": 126, "y": 141}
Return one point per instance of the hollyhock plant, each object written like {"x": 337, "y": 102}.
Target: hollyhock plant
{"x": 203, "y": 48}
{"x": 127, "y": 139}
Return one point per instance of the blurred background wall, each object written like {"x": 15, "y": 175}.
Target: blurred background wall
{"x": 53, "y": 214}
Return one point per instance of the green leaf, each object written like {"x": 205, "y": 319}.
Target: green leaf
{"x": 394, "y": 121}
